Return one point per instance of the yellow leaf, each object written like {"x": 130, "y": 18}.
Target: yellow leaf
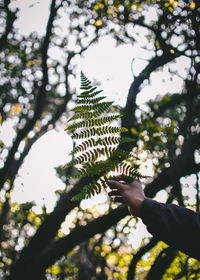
{"x": 55, "y": 269}
{"x": 170, "y": 3}
{"x": 171, "y": 9}
{"x": 176, "y": 3}
{"x": 18, "y": 108}
{"x": 149, "y": 37}
{"x": 192, "y": 5}
{"x": 98, "y": 22}
{"x": 165, "y": 98}
{"x": 15, "y": 109}
{"x": 30, "y": 63}
{"x": 133, "y": 130}
{"x": 112, "y": 259}
{"x": 157, "y": 43}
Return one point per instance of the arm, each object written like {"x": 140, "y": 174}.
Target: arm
{"x": 175, "y": 225}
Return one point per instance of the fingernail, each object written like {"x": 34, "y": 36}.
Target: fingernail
{"x": 109, "y": 181}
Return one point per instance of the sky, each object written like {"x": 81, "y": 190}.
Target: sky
{"x": 113, "y": 68}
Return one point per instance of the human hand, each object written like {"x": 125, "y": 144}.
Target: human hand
{"x": 131, "y": 194}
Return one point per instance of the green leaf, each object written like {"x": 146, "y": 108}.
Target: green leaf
{"x": 97, "y": 138}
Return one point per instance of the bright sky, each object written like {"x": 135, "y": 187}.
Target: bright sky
{"x": 112, "y": 67}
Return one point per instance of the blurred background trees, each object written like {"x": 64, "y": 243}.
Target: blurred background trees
{"x": 35, "y": 94}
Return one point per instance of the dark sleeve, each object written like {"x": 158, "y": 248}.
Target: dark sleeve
{"x": 175, "y": 225}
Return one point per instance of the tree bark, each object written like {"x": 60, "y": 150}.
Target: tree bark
{"x": 42, "y": 259}
{"x": 161, "y": 264}
{"x": 39, "y": 105}
{"x": 137, "y": 257}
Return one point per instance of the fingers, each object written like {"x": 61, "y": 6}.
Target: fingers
{"x": 115, "y": 185}
{"x": 114, "y": 193}
{"x": 118, "y": 199}
{"x": 123, "y": 177}
{"x": 115, "y": 196}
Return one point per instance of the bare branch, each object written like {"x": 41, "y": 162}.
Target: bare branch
{"x": 40, "y": 102}
{"x": 4, "y": 215}
{"x": 178, "y": 168}
{"x": 10, "y": 18}
{"x": 82, "y": 233}
{"x": 60, "y": 247}
{"x": 143, "y": 250}
{"x": 128, "y": 120}
{"x": 162, "y": 262}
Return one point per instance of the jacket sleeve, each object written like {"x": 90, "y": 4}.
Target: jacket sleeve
{"x": 177, "y": 226}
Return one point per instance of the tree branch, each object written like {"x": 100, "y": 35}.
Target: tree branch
{"x": 143, "y": 250}
{"x": 40, "y": 102}
{"x": 178, "y": 168}
{"x": 11, "y": 17}
{"x": 128, "y": 120}
{"x": 4, "y": 215}
{"x": 162, "y": 262}
{"x": 62, "y": 246}
{"x": 82, "y": 233}
{"x": 48, "y": 230}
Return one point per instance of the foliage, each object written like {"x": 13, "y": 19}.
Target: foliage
{"x": 100, "y": 153}
{"x": 36, "y": 94}
{"x": 18, "y": 229}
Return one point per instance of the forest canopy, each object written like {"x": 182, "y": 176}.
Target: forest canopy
{"x": 165, "y": 130}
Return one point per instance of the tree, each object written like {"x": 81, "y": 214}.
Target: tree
{"x": 168, "y": 131}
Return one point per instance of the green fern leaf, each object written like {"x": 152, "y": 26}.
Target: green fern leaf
{"x": 99, "y": 139}
{"x": 90, "y": 101}
{"x": 103, "y": 106}
{"x": 93, "y": 122}
{"x": 106, "y": 141}
{"x": 98, "y": 131}
{"x": 92, "y": 94}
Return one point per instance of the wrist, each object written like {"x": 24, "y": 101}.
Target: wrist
{"x": 136, "y": 209}
{"x": 139, "y": 206}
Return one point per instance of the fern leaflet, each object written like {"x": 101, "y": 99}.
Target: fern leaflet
{"x": 99, "y": 151}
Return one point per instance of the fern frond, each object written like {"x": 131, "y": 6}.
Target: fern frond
{"x": 94, "y": 154}
{"x": 88, "y": 191}
{"x": 83, "y": 146}
{"x": 103, "y": 106}
{"x": 91, "y": 189}
{"x": 98, "y": 168}
{"x": 83, "y": 115}
{"x": 99, "y": 131}
{"x": 85, "y": 93}
{"x": 125, "y": 168}
{"x": 99, "y": 139}
{"x": 93, "y": 122}
{"x": 95, "y": 93}
{"x": 92, "y": 94}
{"x": 90, "y": 101}
{"x": 106, "y": 141}
{"x": 86, "y": 115}
{"x": 86, "y": 86}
